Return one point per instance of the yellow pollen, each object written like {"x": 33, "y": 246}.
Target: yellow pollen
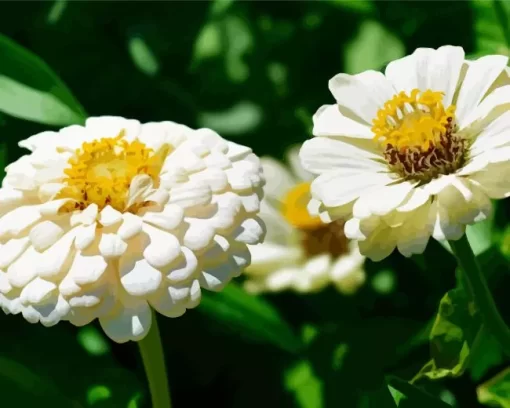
{"x": 101, "y": 171}
{"x": 412, "y": 121}
{"x": 294, "y": 208}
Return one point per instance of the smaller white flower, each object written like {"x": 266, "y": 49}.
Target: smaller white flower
{"x": 111, "y": 219}
{"x": 418, "y": 151}
{"x": 300, "y": 252}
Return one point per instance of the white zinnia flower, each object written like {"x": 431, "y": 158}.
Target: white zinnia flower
{"x": 300, "y": 252}
{"x": 115, "y": 217}
{"x": 416, "y": 152}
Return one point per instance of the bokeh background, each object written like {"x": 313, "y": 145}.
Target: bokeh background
{"x": 255, "y": 71}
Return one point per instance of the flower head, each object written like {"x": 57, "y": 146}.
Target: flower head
{"x": 115, "y": 217}
{"x": 415, "y": 152}
{"x": 300, "y": 252}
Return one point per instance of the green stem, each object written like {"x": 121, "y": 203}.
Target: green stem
{"x": 153, "y": 358}
{"x": 477, "y": 286}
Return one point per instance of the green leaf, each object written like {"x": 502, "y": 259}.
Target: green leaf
{"x": 480, "y": 235}
{"x": 372, "y": 48}
{"x": 452, "y": 336}
{"x": 491, "y": 26}
{"x": 496, "y": 391}
{"x": 142, "y": 56}
{"x": 409, "y": 396}
{"x": 485, "y": 355}
{"x": 34, "y": 388}
{"x": 305, "y": 385}
{"x": 241, "y": 118}
{"x": 34, "y": 369}
{"x": 251, "y": 315}
{"x": 24, "y": 72}
{"x": 20, "y": 101}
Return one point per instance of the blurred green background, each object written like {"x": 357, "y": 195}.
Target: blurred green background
{"x": 255, "y": 72}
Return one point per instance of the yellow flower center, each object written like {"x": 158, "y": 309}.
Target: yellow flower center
{"x": 418, "y": 120}
{"x": 294, "y": 208}
{"x": 101, "y": 171}
{"x": 316, "y": 238}
{"x": 417, "y": 134}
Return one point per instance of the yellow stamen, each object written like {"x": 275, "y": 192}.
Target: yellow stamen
{"x": 101, "y": 171}
{"x": 294, "y": 208}
{"x": 416, "y": 120}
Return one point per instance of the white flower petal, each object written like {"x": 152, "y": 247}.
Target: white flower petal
{"x": 168, "y": 219}
{"x": 387, "y": 198}
{"x": 11, "y": 250}
{"x": 17, "y": 220}
{"x": 111, "y": 126}
{"x": 362, "y": 94}
{"x": 190, "y": 194}
{"x": 45, "y": 234}
{"x": 278, "y": 179}
{"x": 251, "y": 231}
{"x": 163, "y": 248}
{"x": 216, "y": 278}
{"x": 338, "y": 187}
{"x": 198, "y": 235}
{"x": 131, "y": 322}
{"x": 479, "y": 77}
{"x": 138, "y": 277}
{"x": 417, "y": 198}
{"x": 494, "y": 135}
{"x": 37, "y": 291}
{"x": 87, "y": 269}
{"x": 486, "y": 111}
{"x": 329, "y": 121}
{"x": 52, "y": 262}
{"x": 379, "y": 245}
{"x": 165, "y": 304}
{"x": 23, "y": 270}
{"x": 109, "y": 216}
{"x": 183, "y": 270}
{"x": 85, "y": 217}
{"x": 85, "y": 236}
{"x": 495, "y": 180}
{"x": 322, "y": 154}
{"x": 111, "y": 245}
{"x": 426, "y": 68}
{"x": 267, "y": 256}
{"x": 130, "y": 227}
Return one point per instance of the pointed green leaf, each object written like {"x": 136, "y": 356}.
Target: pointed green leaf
{"x": 39, "y": 94}
{"x": 22, "y": 102}
{"x": 496, "y": 391}
{"x": 251, "y": 315}
{"x": 452, "y": 336}
{"x": 409, "y": 396}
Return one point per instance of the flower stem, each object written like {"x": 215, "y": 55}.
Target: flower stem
{"x": 153, "y": 358}
{"x": 479, "y": 290}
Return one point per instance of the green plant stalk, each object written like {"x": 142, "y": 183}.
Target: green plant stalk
{"x": 479, "y": 290}
{"x": 153, "y": 358}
